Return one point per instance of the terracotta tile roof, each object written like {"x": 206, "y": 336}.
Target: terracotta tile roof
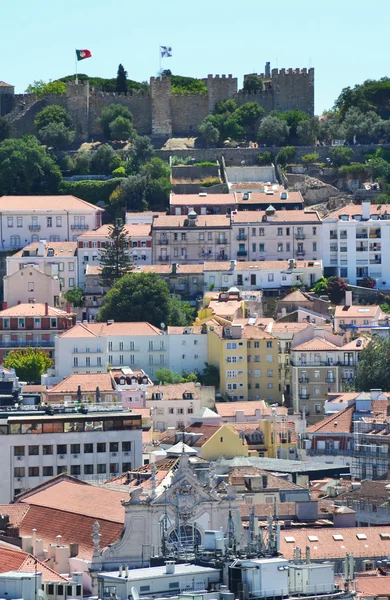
{"x": 372, "y": 585}
{"x": 93, "y": 270}
{"x": 33, "y": 310}
{"x": 327, "y": 547}
{"x": 87, "y": 382}
{"x": 378, "y": 490}
{"x": 48, "y": 204}
{"x": 251, "y": 332}
{"x": 229, "y": 409}
{"x": 194, "y": 329}
{"x": 146, "y": 213}
{"x": 168, "y": 270}
{"x": 245, "y": 185}
{"x": 59, "y": 248}
{"x": 261, "y": 196}
{"x": 316, "y": 344}
{"x": 357, "y": 344}
{"x": 339, "y": 397}
{"x": 222, "y": 265}
{"x": 296, "y": 296}
{"x": 172, "y": 391}
{"x": 173, "y": 221}
{"x": 238, "y": 475}
{"x": 341, "y": 422}
{"x": 197, "y": 200}
{"x": 280, "y": 216}
{"x": 205, "y": 432}
{"x": 4, "y": 84}
{"x": 16, "y": 512}
{"x": 286, "y": 510}
{"x": 34, "y": 389}
{"x": 114, "y": 329}
{"x": 133, "y": 231}
{"x": 262, "y": 322}
{"x": 225, "y": 309}
{"x": 356, "y": 209}
{"x": 280, "y": 327}
{"x": 17, "y": 560}
{"x": 283, "y": 265}
{"x": 357, "y": 311}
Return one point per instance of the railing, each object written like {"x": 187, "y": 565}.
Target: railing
{"x": 328, "y": 452}
{"x": 88, "y": 351}
{"x": 163, "y": 258}
{"x": 333, "y": 248}
{"x": 242, "y": 253}
{"x": 26, "y": 343}
{"x": 375, "y": 236}
{"x": 300, "y": 236}
{"x": 300, "y": 252}
{"x": 330, "y": 379}
{"x": 79, "y": 227}
{"x": 362, "y": 249}
{"x": 34, "y": 227}
{"x": 156, "y": 349}
{"x": 375, "y": 247}
{"x": 303, "y": 379}
{"x": 343, "y": 236}
{"x": 362, "y": 236}
{"x": 304, "y": 396}
{"x": 242, "y": 236}
{"x": 163, "y": 242}
{"x": 221, "y": 241}
{"x": 333, "y": 236}
{"x": 375, "y": 261}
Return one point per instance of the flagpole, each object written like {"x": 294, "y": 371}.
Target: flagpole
{"x": 77, "y": 79}
{"x": 159, "y": 54}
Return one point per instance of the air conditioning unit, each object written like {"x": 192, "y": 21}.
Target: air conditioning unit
{"x": 20, "y": 478}
{"x": 20, "y": 457}
{"x": 61, "y": 456}
{"x": 75, "y": 455}
{"x": 114, "y": 454}
{"x": 126, "y": 453}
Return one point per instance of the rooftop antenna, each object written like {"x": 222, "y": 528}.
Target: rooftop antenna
{"x": 310, "y": 62}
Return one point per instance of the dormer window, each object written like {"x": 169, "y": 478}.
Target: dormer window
{"x": 50, "y": 252}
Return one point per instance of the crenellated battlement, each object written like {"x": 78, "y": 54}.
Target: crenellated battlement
{"x": 211, "y": 77}
{"x": 294, "y": 72}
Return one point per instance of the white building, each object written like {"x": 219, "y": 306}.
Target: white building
{"x": 36, "y": 446}
{"x": 90, "y": 244}
{"x": 187, "y": 348}
{"x": 355, "y": 241}
{"x": 57, "y": 259}
{"x": 26, "y": 219}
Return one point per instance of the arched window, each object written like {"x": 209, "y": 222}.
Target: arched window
{"x": 54, "y": 238}
{"x": 15, "y": 241}
{"x": 188, "y": 537}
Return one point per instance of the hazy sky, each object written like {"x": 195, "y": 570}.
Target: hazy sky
{"x": 345, "y": 40}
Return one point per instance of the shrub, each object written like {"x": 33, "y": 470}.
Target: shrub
{"x": 352, "y": 170}
{"x": 286, "y": 155}
{"x": 210, "y": 182}
{"x": 205, "y": 163}
{"x": 265, "y": 158}
{"x": 119, "y": 172}
{"x": 91, "y": 191}
{"x": 312, "y": 157}
{"x": 341, "y": 155}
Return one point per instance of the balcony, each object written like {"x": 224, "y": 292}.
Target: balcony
{"x": 79, "y": 227}
{"x": 375, "y": 247}
{"x": 242, "y": 236}
{"x": 361, "y": 248}
{"x": 330, "y": 379}
{"x": 242, "y": 253}
{"x": 303, "y": 379}
{"x": 163, "y": 258}
{"x": 343, "y": 236}
{"x": 304, "y": 396}
{"x": 221, "y": 241}
{"x": 163, "y": 242}
{"x": 363, "y": 235}
{"x": 333, "y": 236}
{"x": 300, "y": 252}
{"x": 156, "y": 349}
{"x": 27, "y": 343}
{"x": 34, "y": 227}
{"x": 375, "y": 235}
{"x": 300, "y": 236}
{"x": 375, "y": 261}
{"x": 333, "y": 247}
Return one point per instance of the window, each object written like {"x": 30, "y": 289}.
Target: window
{"x": 256, "y": 373}
{"x": 102, "y": 468}
{"x": 61, "y": 469}
{"x": 269, "y": 358}
{"x": 19, "y": 451}
{"x": 183, "y": 237}
{"x": 201, "y": 237}
{"x": 88, "y": 448}
{"x": 75, "y": 470}
{"x": 47, "y": 472}
{"x": 269, "y": 344}
{"x": 270, "y": 372}
{"x": 114, "y": 468}
{"x": 287, "y": 230}
{"x": 61, "y": 266}
{"x": 288, "y": 247}
{"x": 88, "y": 469}
{"x": 261, "y": 248}
{"x": 114, "y": 446}
{"x": 101, "y": 447}
{"x": 126, "y": 446}
{"x": 280, "y": 231}
{"x": 270, "y": 386}
{"x": 314, "y": 230}
{"x": 317, "y": 408}
{"x": 33, "y": 450}
{"x": 33, "y": 471}
{"x": 15, "y": 241}
{"x": 231, "y": 345}
{"x": 47, "y": 450}
{"x": 53, "y": 322}
{"x": 58, "y": 221}
{"x": 270, "y": 276}
{"x": 21, "y": 323}
{"x": 49, "y": 221}
{"x": 280, "y": 247}
{"x": 71, "y": 282}
{"x": 253, "y": 247}
{"x": 261, "y": 230}
{"x": 87, "y": 361}
{"x": 10, "y": 221}
{"x": 256, "y": 344}
{"x": 19, "y": 221}
{"x": 75, "y": 361}
{"x": 314, "y": 246}
{"x": 317, "y": 391}
{"x": 62, "y": 449}
{"x": 19, "y": 472}
{"x": 256, "y": 358}
{"x": 75, "y": 449}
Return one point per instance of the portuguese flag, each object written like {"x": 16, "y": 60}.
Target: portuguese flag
{"x": 82, "y": 54}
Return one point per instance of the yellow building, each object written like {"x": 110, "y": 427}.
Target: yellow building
{"x": 224, "y": 443}
{"x": 269, "y": 438}
{"x": 247, "y": 359}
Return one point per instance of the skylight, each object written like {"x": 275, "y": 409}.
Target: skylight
{"x": 338, "y": 538}
{"x": 361, "y": 536}
{"x": 312, "y": 538}
{"x": 289, "y": 539}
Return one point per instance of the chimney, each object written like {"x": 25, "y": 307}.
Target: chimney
{"x": 34, "y": 541}
{"x": 68, "y": 307}
{"x": 308, "y": 555}
{"x": 59, "y": 537}
{"x": 5, "y": 305}
{"x": 348, "y": 298}
{"x": 232, "y": 265}
{"x": 126, "y": 572}
{"x": 41, "y": 248}
{"x": 366, "y": 210}
{"x": 169, "y": 567}
{"x": 46, "y": 309}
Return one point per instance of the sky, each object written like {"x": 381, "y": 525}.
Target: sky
{"x": 346, "y": 41}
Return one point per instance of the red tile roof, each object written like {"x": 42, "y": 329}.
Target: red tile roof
{"x": 133, "y": 231}
{"x": 87, "y": 382}
{"x": 280, "y": 216}
{"x": 114, "y": 329}
{"x": 17, "y": 560}
{"x": 341, "y": 422}
{"x": 372, "y": 585}
{"x": 59, "y": 248}
{"x": 174, "y": 221}
{"x": 33, "y": 310}
{"x": 198, "y": 200}
{"x": 46, "y": 203}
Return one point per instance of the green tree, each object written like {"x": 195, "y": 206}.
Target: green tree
{"x": 286, "y": 155}
{"x": 368, "y": 282}
{"x": 109, "y": 114}
{"x": 52, "y": 114}
{"x": 312, "y": 157}
{"x": 364, "y": 127}
{"x": 75, "y": 296}
{"x": 41, "y": 89}
{"x": 157, "y": 192}
{"x": 320, "y": 287}
{"x": 105, "y": 160}
{"x": 114, "y": 258}
{"x": 27, "y": 168}
{"x": 141, "y": 151}
{"x": 131, "y": 194}
{"x": 167, "y": 377}
{"x": 5, "y": 129}
{"x": 225, "y": 107}
{"x": 82, "y": 163}
{"x": 209, "y": 131}
{"x": 307, "y": 131}
{"x": 253, "y": 84}
{"x": 371, "y": 95}
{"x": 180, "y": 313}
{"x": 330, "y": 128}
{"x": 29, "y": 364}
{"x": 293, "y": 118}
{"x": 121, "y": 81}
{"x": 121, "y": 129}
{"x": 248, "y": 116}
{"x": 137, "y": 297}
{"x": 56, "y": 135}
{"x": 265, "y": 158}
{"x": 210, "y": 376}
{"x": 340, "y": 155}
{"x": 273, "y": 131}
{"x": 379, "y": 168}
{"x": 373, "y": 367}
{"x": 156, "y": 168}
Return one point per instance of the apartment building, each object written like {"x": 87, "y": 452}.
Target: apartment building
{"x": 187, "y": 348}
{"x": 90, "y": 244}
{"x": 28, "y": 219}
{"x": 35, "y": 446}
{"x": 190, "y": 238}
{"x": 34, "y": 325}
{"x": 173, "y": 405}
{"x": 261, "y": 198}
{"x": 247, "y": 358}
{"x": 276, "y": 235}
{"x": 56, "y": 259}
{"x": 92, "y": 347}
{"x": 202, "y": 203}
{"x": 30, "y": 285}
{"x": 355, "y": 240}
{"x": 321, "y": 363}
{"x": 358, "y": 317}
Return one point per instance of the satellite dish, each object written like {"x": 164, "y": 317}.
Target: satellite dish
{"x": 134, "y": 593}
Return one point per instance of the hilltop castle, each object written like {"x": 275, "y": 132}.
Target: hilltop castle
{"x": 162, "y": 113}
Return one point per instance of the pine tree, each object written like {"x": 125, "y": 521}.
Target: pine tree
{"x": 121, "y": 80}
{"x": 114, "y": 257}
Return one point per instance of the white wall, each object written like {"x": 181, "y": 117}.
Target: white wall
{"x": 187, "y": 352}
{"x": 243, "y": 174}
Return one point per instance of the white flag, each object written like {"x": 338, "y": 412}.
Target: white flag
{"x": 166, "y": 51}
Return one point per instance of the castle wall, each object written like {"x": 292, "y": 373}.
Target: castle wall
{"x": 138, "y": 105}
{"x": 220, "y": 88}
{"x": 264, "y": 99}
{"x": 160, "y": 90}
{"x": 293, "y": 89}
{"x": 188, "y": 111}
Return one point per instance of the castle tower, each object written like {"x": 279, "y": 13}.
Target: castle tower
{"x": 293, "y": 89}
{"x": 7, "y": 94}
{"x": 220, "y": 88}
{"x": 160, "y": 91}
{"x": 77, "y": 103}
